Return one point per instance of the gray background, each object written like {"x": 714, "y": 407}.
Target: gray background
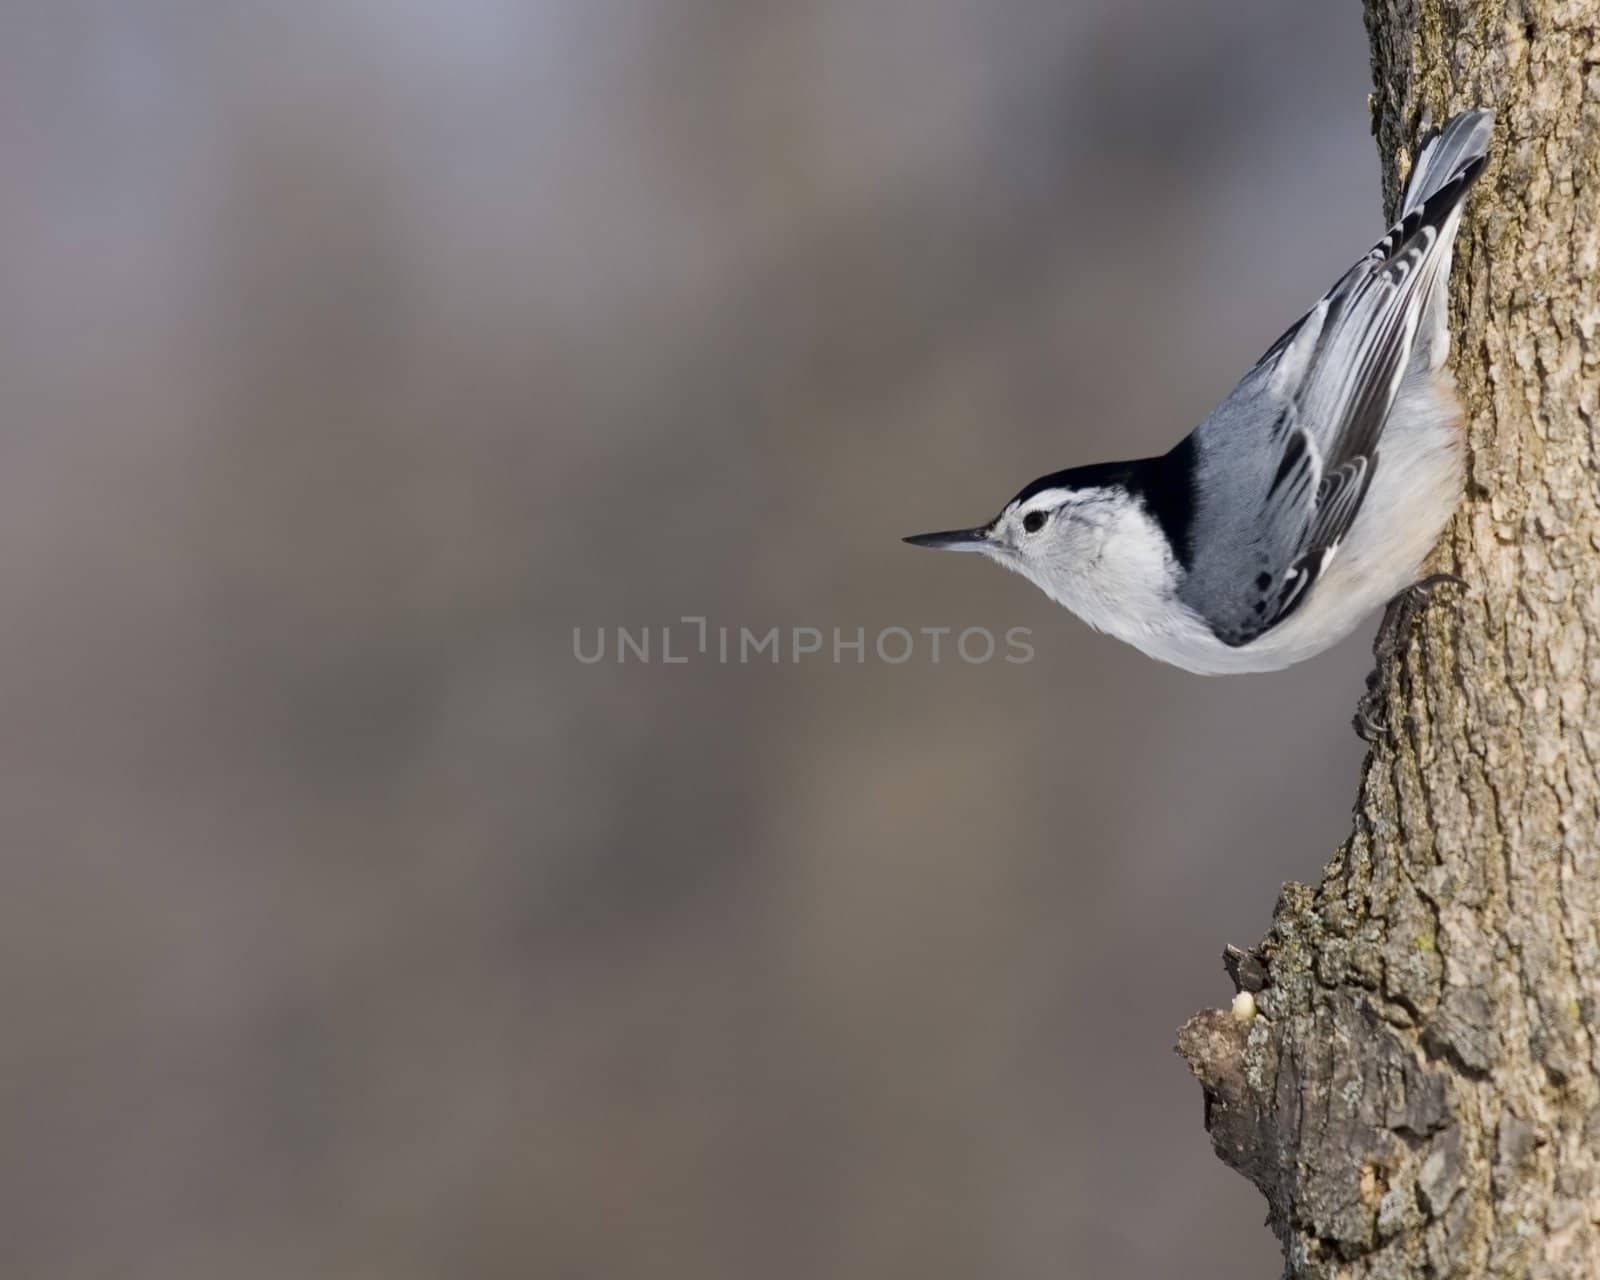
{"x": 355, "y": 352}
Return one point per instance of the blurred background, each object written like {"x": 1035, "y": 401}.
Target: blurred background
{"x": 354, "y": 353}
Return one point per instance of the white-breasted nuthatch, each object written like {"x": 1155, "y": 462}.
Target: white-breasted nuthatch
{"x": 1311, "y": 495}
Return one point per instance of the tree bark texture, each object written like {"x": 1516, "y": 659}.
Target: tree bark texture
{"x": 1419, "y": 1094}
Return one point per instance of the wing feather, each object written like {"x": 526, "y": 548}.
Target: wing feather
{"x": 1277, "y": 503}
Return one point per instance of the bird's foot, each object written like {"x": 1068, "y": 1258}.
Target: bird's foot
{"x": 1371, "y": 720}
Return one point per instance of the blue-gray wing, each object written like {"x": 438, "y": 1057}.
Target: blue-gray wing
{"x": 1283, "y": 465}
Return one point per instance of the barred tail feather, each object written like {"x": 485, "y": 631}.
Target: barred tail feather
{"x": 1457, "y": 149}
{"x": 1463, "y": 139}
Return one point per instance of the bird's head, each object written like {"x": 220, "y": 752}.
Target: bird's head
{"x": 1058, "y": 531}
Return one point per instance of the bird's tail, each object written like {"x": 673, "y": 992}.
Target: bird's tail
{"x": 1463, "y": 139}
{"x": 1453, "y": 154}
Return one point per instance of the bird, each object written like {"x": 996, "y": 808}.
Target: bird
{"x": 1308, "y": 499}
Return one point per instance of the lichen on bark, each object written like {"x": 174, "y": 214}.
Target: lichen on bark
{"x": 1419, "y": 1094}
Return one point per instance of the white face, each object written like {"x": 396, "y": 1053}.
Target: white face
{"x": 1096, "y": 551}
{"x": 1057, "y": 532}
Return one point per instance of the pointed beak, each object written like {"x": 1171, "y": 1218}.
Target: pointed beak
{"x": 952, "y": 540}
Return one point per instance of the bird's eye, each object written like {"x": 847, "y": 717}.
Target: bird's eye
{"x": 1033, "y": 521}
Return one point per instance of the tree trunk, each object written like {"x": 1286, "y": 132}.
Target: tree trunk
{"x": 1419, "y": 1093}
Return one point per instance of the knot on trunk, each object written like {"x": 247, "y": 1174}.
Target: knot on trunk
{"x": 1337, "y": 1117}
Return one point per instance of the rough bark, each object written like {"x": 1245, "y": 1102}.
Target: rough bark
{"x": 1419, "y": 1095}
